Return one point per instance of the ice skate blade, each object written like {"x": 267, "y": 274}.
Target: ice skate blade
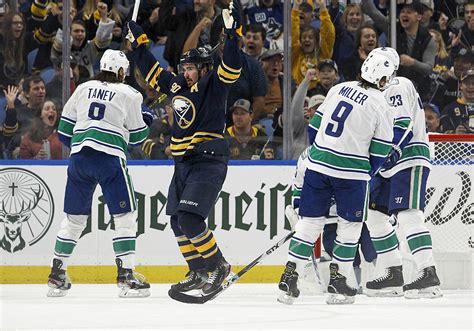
{"x": 285, "y": 299}
{"x": 339, "y": 299}
{"x": 132, "y": 293}
{"x": 56, "y": 292}
{"x": 432, "y": 292}
{"x": 385, "y": 292}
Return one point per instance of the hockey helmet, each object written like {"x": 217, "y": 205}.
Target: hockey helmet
{"x": 377, "y": 67}
{"x": 113, "y": 60}
{"x": 198, "y": 56}
{"x": 389, "y": 52}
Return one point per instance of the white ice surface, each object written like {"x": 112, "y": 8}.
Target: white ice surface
{"x": 242, "y": 306}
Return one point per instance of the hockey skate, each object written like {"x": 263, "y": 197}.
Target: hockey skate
{"x": 216, "y": 277}
{"x": 425, "y": 286}
{"x": 195, "y": 280}
{"x": 131, "y": 284}
{"x": 339, "y": 292}
{"x": 289, "y": 284}
{"x": 388, "y": 285}
{"x": 58, "y": 280}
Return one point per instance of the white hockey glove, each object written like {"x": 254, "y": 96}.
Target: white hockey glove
{"x": 232, "y": 20}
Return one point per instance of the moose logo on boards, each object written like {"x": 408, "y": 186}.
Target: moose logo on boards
{"x": 26, "y": 209}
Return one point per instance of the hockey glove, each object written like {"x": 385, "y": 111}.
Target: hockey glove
{"x": 232, "y": 20}
{"x": 136, "y": 35}
{"x": 148, "y": 115}
{"x": 392, "y": 158}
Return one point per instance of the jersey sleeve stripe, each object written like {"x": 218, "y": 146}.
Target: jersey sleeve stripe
{"x": 65, "y": 128}
{"x": 139, "y": 136}
{"x": 151, "y": 71}
{"x": 231, "y": 70}
{"x": 67, "y": 119}
{"x": 379, "y": 149}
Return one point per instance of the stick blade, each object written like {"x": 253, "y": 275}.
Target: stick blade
{"x": 192, "y": 299}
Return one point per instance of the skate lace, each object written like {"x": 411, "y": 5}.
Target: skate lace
{"x": 191, "y": 277}
{"x": 420, "y": 277}
{"x": 213, "y": 276}
{"x": 138, "y": 277}
{"x": 382, "y": 278}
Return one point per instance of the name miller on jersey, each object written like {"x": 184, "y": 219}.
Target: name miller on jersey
{"x": 97, "y": 93}
{"x": 350, "y": 93}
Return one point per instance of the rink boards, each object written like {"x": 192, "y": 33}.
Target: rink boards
{"x": 247, "y": 219}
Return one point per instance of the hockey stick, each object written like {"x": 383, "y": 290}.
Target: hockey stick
{"x": 186, "y": 298}
{"x": 135, "y": 10}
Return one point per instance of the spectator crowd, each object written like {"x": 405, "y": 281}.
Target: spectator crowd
{"x": 330, "y": 39}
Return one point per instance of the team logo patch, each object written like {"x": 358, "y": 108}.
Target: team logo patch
{"x": 26, "y": 209}
{"x": 184, "y": 111}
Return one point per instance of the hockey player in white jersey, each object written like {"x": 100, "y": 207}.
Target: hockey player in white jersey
{"x": 100, "y": 119}
{"x": 400, "y": 189}
{"x": 353, "y": 139}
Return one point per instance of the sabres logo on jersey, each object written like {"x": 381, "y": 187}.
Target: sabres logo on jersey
{"x": 184, "y": 111}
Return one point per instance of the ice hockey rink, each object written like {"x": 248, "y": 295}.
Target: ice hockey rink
{"x": 241, "y": 307}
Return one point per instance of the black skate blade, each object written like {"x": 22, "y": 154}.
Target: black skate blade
{"x": 193, "y": 299}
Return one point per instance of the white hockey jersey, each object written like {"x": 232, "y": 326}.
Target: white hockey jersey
{"x": 402, "y": 95}
{"x": 354, "y": 132}
{"x": 104, "y": 116}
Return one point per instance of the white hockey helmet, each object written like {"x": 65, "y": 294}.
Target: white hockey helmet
{"x": 113, "y": 60}
{"x": 389, "y": 52}
{"x": 377, "y": 67}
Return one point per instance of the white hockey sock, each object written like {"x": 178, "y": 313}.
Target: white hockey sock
{"x": 345, "y": 248}
{"x": 124, "y": 238}
{"x": 385, "y": 241}
{"x": 68, "y": 235}
{"x": 418, "y": 237}
{"x": 307, "y": 231}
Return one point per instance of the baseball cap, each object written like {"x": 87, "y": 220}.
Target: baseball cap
{"x": 464, "y": 53}
{"x": 243, "y": 104}
{"x": 433, "y": 107}
{"x": 466, "y": 74}
{"x": 428, "y": 4}
{"x": 413, "y": 4}
{"x": 315, "y": 100}
{"x": 271, "y": 53}
{"x": 329, "y": 63}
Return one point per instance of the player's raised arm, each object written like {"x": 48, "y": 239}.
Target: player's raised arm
{"x": 150, "y": 68}
{"x": 231, "y": 65}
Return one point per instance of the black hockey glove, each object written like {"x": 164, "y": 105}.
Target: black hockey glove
{"x": 148, "y": 115}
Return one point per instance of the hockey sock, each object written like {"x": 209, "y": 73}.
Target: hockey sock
{"x": 68, "y": 235}
{"x": 124, "y": 238}
{"x": 384, "y": 239}
{"x": 307, "y": 230}
{"x": 418, "y": 237}
{"x": 194, "y": 228}
{"x": 345, "y": 248}
{"x": 187, "y": 249}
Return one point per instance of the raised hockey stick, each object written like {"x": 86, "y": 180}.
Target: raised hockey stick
{"x": 135, "y": 10}
{"x": 200, "y": 299}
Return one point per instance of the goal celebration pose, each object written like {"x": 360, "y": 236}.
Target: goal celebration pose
{"x": 98, "y": 128}
{"x": 200, "y": 152}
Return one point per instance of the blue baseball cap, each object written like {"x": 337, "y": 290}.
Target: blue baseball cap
{"x": 433, "y": 107}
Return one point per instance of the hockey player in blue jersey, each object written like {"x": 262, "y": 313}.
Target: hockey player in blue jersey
{"x": 201, "y": 153}
{"x": 98, "y": 128}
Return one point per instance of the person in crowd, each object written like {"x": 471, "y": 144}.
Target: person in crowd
{"x": 347, "y": 26}
{"x": 85, "y": 52}
{"x": 55, "y": 86}
{"x": 310, "y": 46}
{"x": 269, "y": 14}
{"x": 18, "y": 119}
{"x": 41, "y": 142}
{"x": 427, "y": 16}
{"x": 327, "y": 77}
{"x": 200, "y": 35}
{"x": 447, "y": 86}
{"x": 458, "y": 116}
{"x": 93, "y": 13}
{"x": 157, "y": 145}
{"x": 366, "y": 40}
{"x": 302, "y": 110}
{"x": 464, "y": 38}
{"x": 179, "y": 26}
{"x": 254, "y": 39}
{"x": 247, "y": 141}
{"x": 432, "y": 117}
{"x": 414, "y": 43}
{"x": 306, "y": 15}
{"x": 272, "y": 63}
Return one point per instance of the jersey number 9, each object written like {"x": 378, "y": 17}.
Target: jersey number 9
{"x": 339, "y": 116}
